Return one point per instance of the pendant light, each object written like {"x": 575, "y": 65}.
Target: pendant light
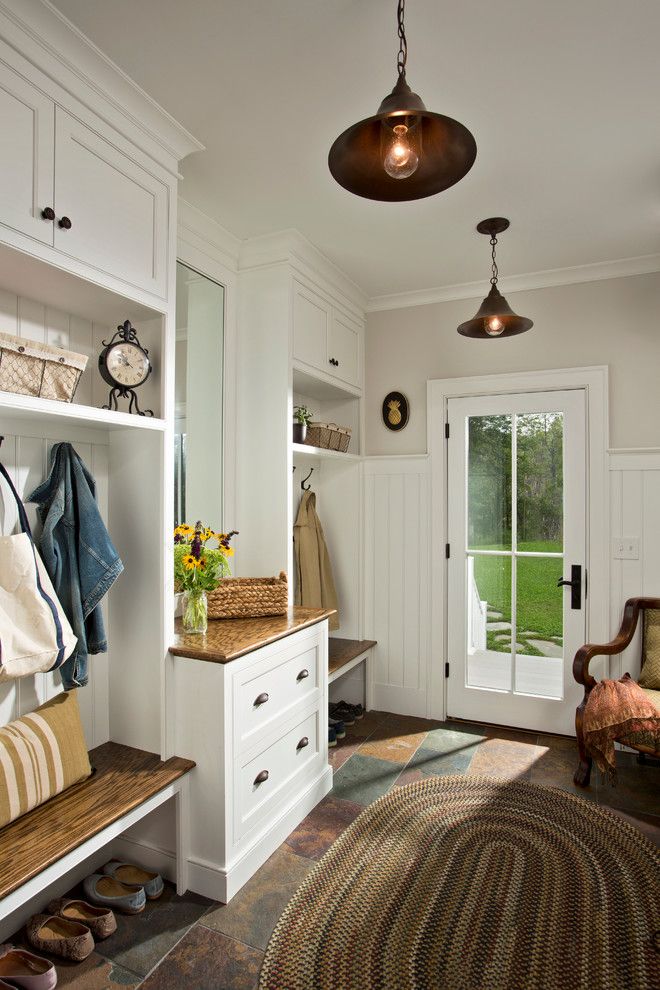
{"x": 495, "y": 317}
{"x": 404, "y": 152}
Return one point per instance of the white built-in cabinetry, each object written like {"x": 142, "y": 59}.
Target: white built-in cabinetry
{"x": 261, "y": 765}
{"x": 79, "y": 138}
{"x": 326, "y": 338}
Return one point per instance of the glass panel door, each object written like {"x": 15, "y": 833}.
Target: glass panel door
{"x": 516, "y": 522}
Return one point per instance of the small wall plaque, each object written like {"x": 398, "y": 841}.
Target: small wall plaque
{"x": 395, "y": 411}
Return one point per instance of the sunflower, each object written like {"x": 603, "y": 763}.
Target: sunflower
{"x": 201, "y": 563}
{"x": 227, "y": 551}
{"x": 189, "y": 562}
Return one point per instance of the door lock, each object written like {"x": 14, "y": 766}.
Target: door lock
{"x": 575, "y": 584}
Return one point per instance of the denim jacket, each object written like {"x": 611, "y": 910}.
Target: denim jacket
{"x": 77, "y": 552}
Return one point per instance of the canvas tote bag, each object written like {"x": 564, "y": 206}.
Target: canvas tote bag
{"x": 35, "y": 634}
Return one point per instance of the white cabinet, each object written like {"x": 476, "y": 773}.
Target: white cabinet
{"x": 117, "y": 210}
{"x": 27, "y": 152}
{"x": 324, "y": 338}
{"x": 109, "y": 212}
{"x": 257, "y": 730}
{"x": 344, "y": 348}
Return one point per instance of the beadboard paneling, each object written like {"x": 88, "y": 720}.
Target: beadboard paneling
{"x": 634, "y": 512}
{"x": 397, "y": 575}
{"x": 26, "y": 459}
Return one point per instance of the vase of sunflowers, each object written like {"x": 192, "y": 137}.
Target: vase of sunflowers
{"x": 198, "y": 568}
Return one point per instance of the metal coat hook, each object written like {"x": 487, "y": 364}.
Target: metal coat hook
{"x": 305, "y": 487}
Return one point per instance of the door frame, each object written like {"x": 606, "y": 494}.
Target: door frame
{"x": 595, "y": 382}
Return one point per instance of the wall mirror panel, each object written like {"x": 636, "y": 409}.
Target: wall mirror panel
{"x": 198, "y": 441}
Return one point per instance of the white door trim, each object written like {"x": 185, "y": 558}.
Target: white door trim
{"x": 595, "y": 381}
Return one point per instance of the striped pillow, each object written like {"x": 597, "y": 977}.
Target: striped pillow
{"x": 41, "y": 754}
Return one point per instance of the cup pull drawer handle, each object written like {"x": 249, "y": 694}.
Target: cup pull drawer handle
{"x": 303, "y": 742}
{"x": 261, "y": 777}
{"x": 302, "y": 675}
{"x": 261, "y": 699}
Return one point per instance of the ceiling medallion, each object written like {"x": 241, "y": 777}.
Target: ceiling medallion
{"x": 404, "y": 152}
{"x": 495, "y": 318}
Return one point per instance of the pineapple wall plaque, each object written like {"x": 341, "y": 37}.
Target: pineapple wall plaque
{"x": 395, "y": 411}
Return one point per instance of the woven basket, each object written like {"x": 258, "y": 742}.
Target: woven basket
{"x": 41, "y": 370}
{"x": 329, "y": 436}
{"x": 243, "y": 598}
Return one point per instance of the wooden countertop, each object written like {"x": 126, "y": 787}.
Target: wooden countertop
{"x": 228, "y": 639}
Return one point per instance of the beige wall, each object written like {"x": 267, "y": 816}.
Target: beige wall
{"x": 614, "y": 322}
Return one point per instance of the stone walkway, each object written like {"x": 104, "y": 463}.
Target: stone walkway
{"x": 546, "y": 647}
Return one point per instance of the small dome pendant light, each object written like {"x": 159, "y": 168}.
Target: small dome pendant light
{"x": 404, "y": 152}
{"x": 495, "y": 317}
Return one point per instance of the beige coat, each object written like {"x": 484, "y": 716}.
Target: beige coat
{"x": 315, "y": 586}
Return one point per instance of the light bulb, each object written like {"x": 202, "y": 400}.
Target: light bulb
{"x": 493, "y": 326}
{"x": 400, "y": 160}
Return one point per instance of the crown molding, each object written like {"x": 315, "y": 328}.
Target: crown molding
{"x": 292, "y": 247}
{"x": 48, "y": 40}
{"x": 198, "y": 230}
{"x": 600, "y": 270}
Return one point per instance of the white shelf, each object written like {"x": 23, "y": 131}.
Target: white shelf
{"x": 321, "y": 453}
{"x": 25, "y": 408}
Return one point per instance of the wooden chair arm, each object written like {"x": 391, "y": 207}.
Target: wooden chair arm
{"x": 622, "y": 640}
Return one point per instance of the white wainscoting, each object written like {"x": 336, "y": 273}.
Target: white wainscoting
{"x": 397, "y": 580}
{"x": 26, "y": 459}
{"x": 634, "y": 512}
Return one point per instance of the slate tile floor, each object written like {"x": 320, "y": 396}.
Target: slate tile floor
{"x": 195, "y": 943}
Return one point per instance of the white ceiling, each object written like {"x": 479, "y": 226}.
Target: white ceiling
{"x": 562, "y": 98}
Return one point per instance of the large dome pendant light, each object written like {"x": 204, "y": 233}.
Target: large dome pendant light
{"x": 495, "y": 317}
{"x": 404, "y": 152}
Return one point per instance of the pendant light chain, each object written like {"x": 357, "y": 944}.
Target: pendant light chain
{"x": 402, "y": 57}
{"x": 494, "y": 276}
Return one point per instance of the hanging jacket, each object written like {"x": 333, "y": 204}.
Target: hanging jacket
{"x": 78, "y": 554}
{"x": 315, "y": 586}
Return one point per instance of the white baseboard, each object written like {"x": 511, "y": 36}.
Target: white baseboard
{"x": 400, "y": 700}
{"x": 211, "y": 879}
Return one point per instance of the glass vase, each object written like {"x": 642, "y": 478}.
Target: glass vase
{"x": 195, "y": 612}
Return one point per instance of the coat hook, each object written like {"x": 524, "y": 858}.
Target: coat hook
{"x": 1, "y": 439}
{"x": 305, "y": 487}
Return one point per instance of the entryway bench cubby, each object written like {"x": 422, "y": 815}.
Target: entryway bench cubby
{"x": 51, "y": 840}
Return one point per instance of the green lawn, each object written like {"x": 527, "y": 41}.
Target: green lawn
{"x": 539, "y": 600}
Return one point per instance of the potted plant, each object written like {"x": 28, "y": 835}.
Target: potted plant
{"x": 198, "y": 568}
{"x": 301, "y": 418}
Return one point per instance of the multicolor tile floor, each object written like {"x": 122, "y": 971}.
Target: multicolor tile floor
{"x": 200, "y": 945}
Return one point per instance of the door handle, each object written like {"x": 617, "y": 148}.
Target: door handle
{"x": 575, "y": 584}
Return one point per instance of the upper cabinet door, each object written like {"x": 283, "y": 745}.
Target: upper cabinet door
{"x": 311, "y": 316}
{"x": 344, "y": 349}
{"x": 27, "y": 151}
{"x": 112, "y": 214}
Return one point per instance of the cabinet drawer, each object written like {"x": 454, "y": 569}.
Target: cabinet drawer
{"x": 271, "y": 776}
{"x": 262, "y": 697}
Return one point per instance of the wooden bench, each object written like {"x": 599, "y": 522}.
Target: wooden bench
{"x": 346, "y": 654}
{"x": 54, "y": 838}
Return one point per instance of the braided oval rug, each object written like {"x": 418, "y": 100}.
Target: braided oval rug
{"x": 469, "y": 883}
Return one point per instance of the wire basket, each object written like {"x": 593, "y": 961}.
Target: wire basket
{"x": 328, "y": 436}
{"x": 243, "y": 598}
{"x": 41, "y": 370}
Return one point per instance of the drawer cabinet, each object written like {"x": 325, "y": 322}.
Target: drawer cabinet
{"x": 67, "y": 187}
{"x": 262, "y": 780}
{"x": 324, "y": 338}
{"x": 257, "y": 729}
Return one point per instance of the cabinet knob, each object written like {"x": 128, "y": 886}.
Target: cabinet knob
{"x": 261, "y": 777}
{"x": 261, "y": 699}
{"x": 303, "y": 742}
{"x": 48, "y": 213}
{"x": 302, "y": 675}
{"x": 64, "y": 223}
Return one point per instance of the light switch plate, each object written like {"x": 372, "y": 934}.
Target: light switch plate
{"x": 625, "y": 547}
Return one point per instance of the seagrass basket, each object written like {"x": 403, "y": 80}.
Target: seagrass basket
{"x": 243, "y": 598}
{"x": 41, "y": 370}
{"x": 329, "y": 436}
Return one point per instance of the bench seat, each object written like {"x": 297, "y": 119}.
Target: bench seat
{"x": 50, "y": 840}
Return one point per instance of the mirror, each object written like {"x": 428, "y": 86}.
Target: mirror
{"x": 200, "y": 315}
